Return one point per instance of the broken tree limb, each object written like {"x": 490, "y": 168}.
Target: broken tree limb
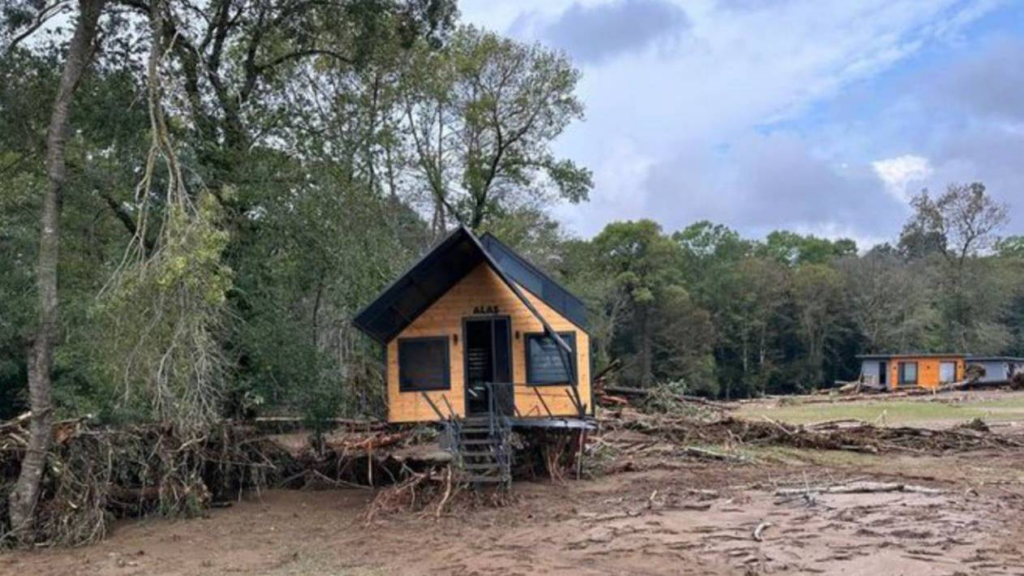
{"x": 705, "y": 454}
{"x": 643, "y": 392}
{"x": 612, "y": 367}
{"x": 859, "y": 488}
{"x": 759, "y": 531}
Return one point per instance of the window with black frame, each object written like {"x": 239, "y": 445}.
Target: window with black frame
{"x": 544, "y": 360}
{"x": 423, "y": 364}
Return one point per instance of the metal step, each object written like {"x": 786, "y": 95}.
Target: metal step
{"x": 484, "y": 456}
{"x": 483, "y": 466}
{"x": 477, "y": 441}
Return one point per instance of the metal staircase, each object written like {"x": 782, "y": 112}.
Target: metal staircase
{"x": 481, "y": 443}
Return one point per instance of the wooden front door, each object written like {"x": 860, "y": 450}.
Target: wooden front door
{"x": 488, "y": 360}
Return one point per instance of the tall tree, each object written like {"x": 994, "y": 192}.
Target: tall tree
{"x": 890, "y": 302}
{"x": 644, "y": 264}
{"x": 965, "y": 218}
{"x": 481, "y": 115}
{"x": 80, "y": 52}
{"x": 817, "y": 298}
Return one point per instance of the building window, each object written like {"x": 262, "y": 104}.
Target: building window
{"x": 908, "y": 372}
{"x": 423, "y": 364}
{"x": 947, "y": 372}
{"x": 544, "y": 359}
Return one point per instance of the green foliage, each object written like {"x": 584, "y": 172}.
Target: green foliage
{"x": 735, "y": 317}
{"x": 667, "y": 336}
{"x": 338, "y": 142}
{"x": 1011, "y": 247}
{"x": 481, "y": 115}
{"x": 794, "y": 249}
{"x": 160, "y": 323}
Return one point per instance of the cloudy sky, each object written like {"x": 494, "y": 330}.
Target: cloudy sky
{"x": 820, "y": 116}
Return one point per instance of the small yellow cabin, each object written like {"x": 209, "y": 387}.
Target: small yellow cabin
{"x": 897, "y": 371}
{"x": 473, "y": 328}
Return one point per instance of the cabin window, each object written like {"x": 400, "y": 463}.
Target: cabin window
{"x": 908, "y": 372}
{"x": 544, "y": 359}
{"x": 947, "y": 372}
{"x": 423, "y": 364}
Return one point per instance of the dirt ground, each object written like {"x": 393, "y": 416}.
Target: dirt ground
{"x": 671, "y": 517}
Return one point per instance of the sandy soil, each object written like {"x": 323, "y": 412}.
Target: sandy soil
{"x": 678, "y": 517}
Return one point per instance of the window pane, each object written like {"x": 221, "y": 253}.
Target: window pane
{"x": 545, "y": 364}
{"x": 947, "y": 372}
{"x": 423, "y": 364}
{"x": 502, "y": 364}
{"x": 909, "y": 375}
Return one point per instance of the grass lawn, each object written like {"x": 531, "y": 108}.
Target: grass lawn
{"x": 939, "y": 410}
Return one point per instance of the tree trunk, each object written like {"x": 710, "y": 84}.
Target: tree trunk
{"x": 25, "y": 495}
{"x": 646, "y": 348}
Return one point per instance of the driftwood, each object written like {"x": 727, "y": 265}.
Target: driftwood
{"x": 859, "y": 488}
{"x": 683, "y": 398}
{"x": 856, "y": 387}
{"x": 847, "y": 434}
{"x": 759, "y": 531}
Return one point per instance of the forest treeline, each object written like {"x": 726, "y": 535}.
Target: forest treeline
{"x": 709, "y": 312}
{"x": 242, "y": 176}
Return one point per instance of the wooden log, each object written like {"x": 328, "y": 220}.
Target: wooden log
{"x": 859, "y": 488}
{"x": 643, "y": 392}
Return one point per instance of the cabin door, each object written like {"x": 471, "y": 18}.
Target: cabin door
{"x": 488, "y": 361}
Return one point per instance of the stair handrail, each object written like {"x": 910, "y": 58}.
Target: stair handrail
{"x": 499, "y": 423}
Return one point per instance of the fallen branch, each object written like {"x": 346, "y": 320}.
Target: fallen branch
{"x": 859, "y": 488}
{"x": 685, "y": 398}
{"x": 759, "y": 531}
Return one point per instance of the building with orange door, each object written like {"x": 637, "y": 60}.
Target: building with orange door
{"x": 900, "y": 371}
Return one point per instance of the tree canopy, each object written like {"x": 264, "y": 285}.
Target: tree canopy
{"x": 315, "y": 150}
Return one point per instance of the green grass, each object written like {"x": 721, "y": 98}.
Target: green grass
{"x": 896, "y": 411}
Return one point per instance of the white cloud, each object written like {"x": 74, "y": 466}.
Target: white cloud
{"x": 676, "y": 133}
{"x": 902, "y": 173}
{"x": 621, "y": 170}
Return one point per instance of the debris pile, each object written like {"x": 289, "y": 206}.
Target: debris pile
{"x": 95, "y": 474}
{"x": 98, "y": 473}
{"x": 434, "y": 492}
{"x": 852, "y": 435}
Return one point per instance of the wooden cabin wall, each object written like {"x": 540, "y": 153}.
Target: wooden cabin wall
{"x": 479, "y": 289}
{"x": 927, "y": 370}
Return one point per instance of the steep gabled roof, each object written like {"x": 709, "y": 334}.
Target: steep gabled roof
{"x": 443, "y": 267}
{"x": 536, "y": 282}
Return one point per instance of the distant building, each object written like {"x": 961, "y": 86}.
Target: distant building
{"x": 898, "y": 371}
{"x": 997, "y": 368}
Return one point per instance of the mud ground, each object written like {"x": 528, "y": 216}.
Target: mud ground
{"x": 666, "y": 517}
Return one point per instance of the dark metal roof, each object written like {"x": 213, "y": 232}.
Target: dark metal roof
{"x": 967, "y": 357}
{"x": 536, "y": 282}
{"x": 913, "y": 355}
{"x": 996, "y": 359}
{"x": 443, "y": 267}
